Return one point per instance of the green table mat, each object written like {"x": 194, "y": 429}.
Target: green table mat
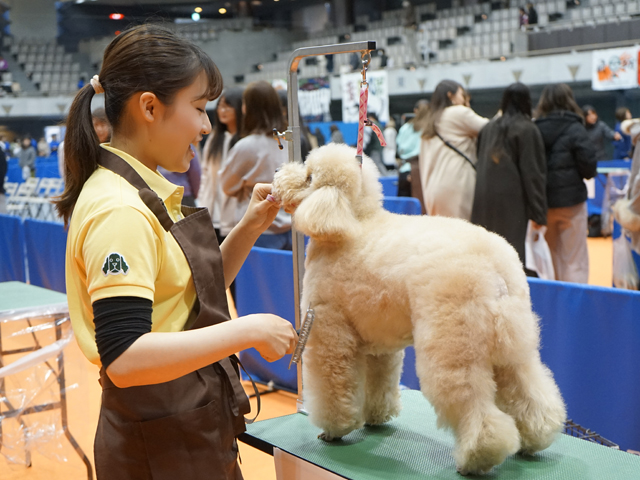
{"x": 411, "y": 447}
{"x": 17, "y": 295}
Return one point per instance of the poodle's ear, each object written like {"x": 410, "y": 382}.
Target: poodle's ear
{"x": 325, "y": 214}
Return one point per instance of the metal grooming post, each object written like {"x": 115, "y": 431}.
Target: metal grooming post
{"x": 292, "y": 135}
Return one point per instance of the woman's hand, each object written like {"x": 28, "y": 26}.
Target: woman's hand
{"x": 262, "y": 209}
{"x": 274, "y": 336}
{"x": 537, "y": 226}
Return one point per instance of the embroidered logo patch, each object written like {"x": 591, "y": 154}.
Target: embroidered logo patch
{"x": 115, "y": 264}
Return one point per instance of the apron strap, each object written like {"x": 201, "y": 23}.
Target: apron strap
{"x": 249, "y": 421}
{"x": 113, "y": 162}
{"x": 240, "y": 395}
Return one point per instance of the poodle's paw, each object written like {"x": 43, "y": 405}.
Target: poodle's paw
{"x": 540, "y": 426}
{"x": 334, "y": 432}
{"x": 382, "y": 416}
{"x": 383, "y": 409}
{"x": 464, "y": 472}
{"x": 327, "y": 437}
{"x": 497, "y": 439}
{"x": 533, "y": 441}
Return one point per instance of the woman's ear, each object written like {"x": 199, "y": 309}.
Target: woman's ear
{"x": 326, "y": 214}
{"x": 147, "y": 104}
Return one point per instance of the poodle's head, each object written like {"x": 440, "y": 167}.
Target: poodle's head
{"x": 330, "y": 193}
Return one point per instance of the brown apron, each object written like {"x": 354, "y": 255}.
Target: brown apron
{"x": 185, "y": 428}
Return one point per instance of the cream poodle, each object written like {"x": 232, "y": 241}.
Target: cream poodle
{"x": 379, "y": 282}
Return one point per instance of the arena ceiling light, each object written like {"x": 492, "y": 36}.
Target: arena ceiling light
{"x": 116, "y": 16}
{"x": 195, "y": 17}
{"x": 198, "y": 9}
{"x": 222, "y": 11}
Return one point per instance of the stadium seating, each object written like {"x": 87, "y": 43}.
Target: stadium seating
{"x": 462, "y": 33}
{"x": 47, "y": 65}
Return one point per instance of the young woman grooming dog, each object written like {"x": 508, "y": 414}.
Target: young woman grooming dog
{"x": 145, "y": 278}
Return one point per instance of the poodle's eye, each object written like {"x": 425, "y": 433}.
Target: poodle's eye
{"x": 309, "y": 178}
{"x": 278, "y": 169}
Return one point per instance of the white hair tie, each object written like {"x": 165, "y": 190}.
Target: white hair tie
{"x": 95, "y": 83}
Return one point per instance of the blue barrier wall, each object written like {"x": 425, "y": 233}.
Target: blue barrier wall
{"x": 591, "y": 342}
{"x": 264, "y": 273}
{"x": 402, "y": 205}
{"x": 11, "y": 249}
{"x": 46, "y": 246}
{"x": 389, "y": 186}
{"x": 590, "y": 339}
{"x": 349, "y": 131}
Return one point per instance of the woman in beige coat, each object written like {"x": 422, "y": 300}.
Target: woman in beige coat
{"x": 448, "y": 152}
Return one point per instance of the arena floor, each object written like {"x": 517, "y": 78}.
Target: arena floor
{"x": 84, "y": 405}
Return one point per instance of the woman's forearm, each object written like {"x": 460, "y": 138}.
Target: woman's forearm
{"x": 235, "y": 249}
{"x": 161, "y": 357}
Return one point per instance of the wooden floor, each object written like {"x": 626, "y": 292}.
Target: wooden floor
{"x": 84, "y": 405}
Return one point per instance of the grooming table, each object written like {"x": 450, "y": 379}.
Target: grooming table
{"x": 411, "y": 447}
{"x": 37, "y": 309}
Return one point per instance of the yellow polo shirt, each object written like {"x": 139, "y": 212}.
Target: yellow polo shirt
{"x": 117, "y": 247}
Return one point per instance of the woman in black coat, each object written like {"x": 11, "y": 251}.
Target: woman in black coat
{"x": 570, "y": 159}
{"x": 511, "y": 171}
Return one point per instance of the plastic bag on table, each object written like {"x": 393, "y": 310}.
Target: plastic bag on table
{"x": 30, "y": 420}
{"x": 537, "y": 253}
{"x": 32, "y": 384}
{"x": 615, "y": 189}
{"x": 625, "y": 273}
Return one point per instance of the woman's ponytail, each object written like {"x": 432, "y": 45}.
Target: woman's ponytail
{"x": 81, "y": 151}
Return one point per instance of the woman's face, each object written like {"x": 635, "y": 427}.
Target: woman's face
{"x": 592, "y": 117}
{"x": 102, "y": 130}
{"x": 182, "y": 123}
{"x": 627, "y": 115}
{"x": 458, "y": 98}
{"x": 226, "y": 113}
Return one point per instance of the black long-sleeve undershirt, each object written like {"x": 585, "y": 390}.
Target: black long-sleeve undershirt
{"x": 120, "y": 321}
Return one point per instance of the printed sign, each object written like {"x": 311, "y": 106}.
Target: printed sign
{"x": 615, "y": 69}
{"x": 314, "y": 99}
{"x": 378, "y": 95}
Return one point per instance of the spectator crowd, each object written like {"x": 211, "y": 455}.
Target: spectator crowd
{"x": 521, "y": 171}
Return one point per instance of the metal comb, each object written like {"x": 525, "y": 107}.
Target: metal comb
{"x": 303, "y": 336}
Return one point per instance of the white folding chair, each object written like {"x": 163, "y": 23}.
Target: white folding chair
{"x": 18, "y": 204}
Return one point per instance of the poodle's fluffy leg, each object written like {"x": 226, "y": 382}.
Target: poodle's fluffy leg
{"x": 456, "y": 375}
{"x": 333, "y": 375}
{"x": 382, "y": 399}
{"x": 529, "y": 394}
